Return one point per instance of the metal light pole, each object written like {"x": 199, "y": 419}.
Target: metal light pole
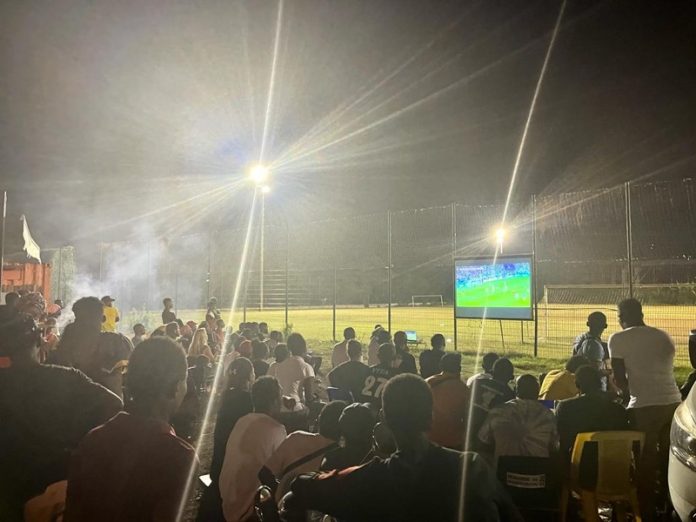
{"x": 264, "y": 191}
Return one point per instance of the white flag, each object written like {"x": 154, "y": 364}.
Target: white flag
{"x": 30, "y": 246}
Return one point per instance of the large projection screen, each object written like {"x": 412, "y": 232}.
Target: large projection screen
{"x": 494, "y": 288}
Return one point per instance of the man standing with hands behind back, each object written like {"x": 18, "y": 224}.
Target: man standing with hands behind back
{"x": 111, "y": 314}
{"x": 643, "y": 361}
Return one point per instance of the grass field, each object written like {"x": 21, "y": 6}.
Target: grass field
{"x": 557, "y": 327}
{"x": 510, "y": 292}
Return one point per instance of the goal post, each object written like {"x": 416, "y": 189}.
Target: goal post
{"x": 427, "y": 300}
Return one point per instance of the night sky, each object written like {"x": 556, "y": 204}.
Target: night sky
{"x": 112, "y": 113}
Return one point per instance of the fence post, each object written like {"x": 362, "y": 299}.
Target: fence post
{"x": 210, "y": 247}
{"x": 389, "y": 270}
{"x": 287, "y": 282}
{"x": 536, "y": 276}
{"x": 453, "y": 274}
{"x": 629, "y": 237}
{"x": 60, "y": 274}
{"x": 334, "y": 296}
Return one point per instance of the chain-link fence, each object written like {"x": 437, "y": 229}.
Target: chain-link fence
{"x": 591, "y": 249}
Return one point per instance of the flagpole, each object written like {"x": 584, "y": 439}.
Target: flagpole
{"x": 2, "y": 238}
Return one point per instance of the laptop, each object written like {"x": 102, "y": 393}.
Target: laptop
{"x": 411, "y": 336}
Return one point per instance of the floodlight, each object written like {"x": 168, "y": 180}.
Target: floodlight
{"x": 265, "y": 189}
{"x": 259, "y": 174}
{"x": 500, "y": 234}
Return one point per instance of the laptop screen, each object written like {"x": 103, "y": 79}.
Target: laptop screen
{"x": 411, "y": 336}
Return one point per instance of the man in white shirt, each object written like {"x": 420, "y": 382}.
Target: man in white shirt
{"x": 643, "y": 361}
{"x": 340, "y": 350}
{"x": 294, "y": 374}
{"x": 253, "y": 440}
{"x": 522, "y": 427}
{"x": 487, "y": 362}
{"x": 302, "y": 452}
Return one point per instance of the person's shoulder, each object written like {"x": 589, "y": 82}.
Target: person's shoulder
{"x": 64, "y": 373}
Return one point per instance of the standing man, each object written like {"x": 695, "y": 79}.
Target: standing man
{"x": 111, "y": 315}
{"x": 643, "y": 361}
{"x": 168, "y": 316}
{"x": 589, "y": 344}
{"x": 340, "y": 350}
{"x": 213, "y": 309}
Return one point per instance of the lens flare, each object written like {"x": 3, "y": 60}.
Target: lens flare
{"x": 218, "y": 380}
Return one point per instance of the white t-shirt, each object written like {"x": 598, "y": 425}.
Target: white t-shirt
{"x": 648, "y": 354}
{"x": 339, "y": 354}
{"x": 297, "y": 445}
{"x": 291, "y": 373}
{"x": 253, "y": 440}
{"x": 520, "y": 428}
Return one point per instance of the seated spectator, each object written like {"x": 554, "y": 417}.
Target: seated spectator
{"x": 252, "y": 442}
{"x": 246, "y": 349}
{"x": 45, "y": 411}
{"x": 280, "y": 353}
{"x": 235, "y": 403}
{"x": 220, "y": 332}
{"x": 405, "y": 362}
{"x": 50, "y": 339}
{"x": 350, "y": 376}
{"x": 560, "y": 384}
{"x": 430, "y": 359}
{"x": 294, "y": 374}
{"x": 379, "y": 375}
{"x": 32, "y": 304}
{"x": 302, "y": 452}
{"x": 263, "y": 330}
{"x": 487, "y": 394}
{"x": 199, "y": 345}
{"x": 450, "y": 403}
{"x": 421, "y": 481}
{"x": 356, "y": 425}
{"x": 259, "y": 354}
{"x": 339, "y": 355}
{"x": 134, "y": 467}
{"x": 172, "y": 330}
{"x": 274, "y": 339}
{"x": 139, "y": 334}
{"x": 592, "y": 410}
{"x": 186, "y": 335}
{"x": 522, "y": 427}
{"x": 487, "y": 362}
{"x": 193, "y": 326}
{"x": 379, "y": 337}
{"x": 113, "y": 351}
{"x": 9, "y": 310}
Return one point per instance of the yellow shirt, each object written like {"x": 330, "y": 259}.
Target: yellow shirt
{"x": 111, "y": 317}
{"x": 558, "y": 385}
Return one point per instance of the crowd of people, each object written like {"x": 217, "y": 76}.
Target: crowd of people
{"x": 87, "y": 418}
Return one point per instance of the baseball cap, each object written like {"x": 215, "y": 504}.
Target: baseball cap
{"x": 107, "y": 298}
